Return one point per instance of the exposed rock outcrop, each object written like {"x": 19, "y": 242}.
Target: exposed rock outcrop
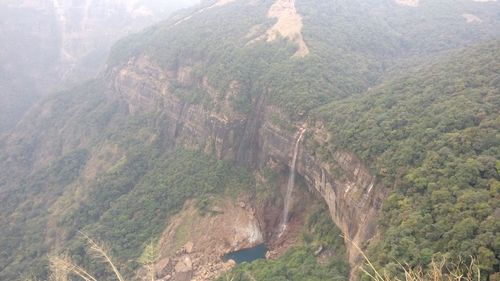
{"x": 289, "y": 25}
{"x": 192, "y": 245}
{"x": 354, "y": 196}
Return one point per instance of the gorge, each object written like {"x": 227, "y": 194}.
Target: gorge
{"x": 253, "y": 141}
{"x": 307, "y": 126}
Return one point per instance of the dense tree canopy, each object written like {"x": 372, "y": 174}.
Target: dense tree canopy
{"x": 432, "y": 134}
{"x": 379, "y": 76}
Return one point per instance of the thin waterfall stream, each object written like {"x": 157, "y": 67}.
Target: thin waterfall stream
{"x": 291, "y": 182}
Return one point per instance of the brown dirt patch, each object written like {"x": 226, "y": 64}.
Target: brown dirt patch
{"x": 289, "y": 25}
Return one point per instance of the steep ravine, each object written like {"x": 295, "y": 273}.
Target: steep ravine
{"x": 353, "y": 194}
{"x": 194, "y": 243}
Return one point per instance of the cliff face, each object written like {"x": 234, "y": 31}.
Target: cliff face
{"x": 47, "y": 43}
{"x": 232, "y": 227}
{"x": 77, "y": 32}
{"x": 353, "y": 195}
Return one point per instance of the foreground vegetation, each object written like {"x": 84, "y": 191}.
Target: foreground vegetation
{"x": 307, "y": 267}
{"x": 140, "y": 183}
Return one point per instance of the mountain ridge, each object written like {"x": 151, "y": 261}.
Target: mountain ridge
{"x": 93, "y": 147}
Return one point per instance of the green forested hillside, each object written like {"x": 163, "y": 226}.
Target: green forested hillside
{"x": 352, "y": 43}
{"x": 136, "y": 217}
{"x": 414, "y": 92}
{"x": 128, "y": 203}
{"x": 432, "y": 134}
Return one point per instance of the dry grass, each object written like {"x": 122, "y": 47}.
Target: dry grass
{"x": 438, "y": 270}
{"x": 442, "y": 270}
{"x": 62, "y": 266}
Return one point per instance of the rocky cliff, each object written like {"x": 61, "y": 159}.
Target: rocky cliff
{"x": 49, "y": 43}
{"x": 254, "y": 140}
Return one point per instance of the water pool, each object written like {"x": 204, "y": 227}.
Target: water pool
{"x": 247, "y": 255}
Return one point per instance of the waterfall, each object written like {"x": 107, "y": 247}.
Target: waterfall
{"x": 291, "y": 182}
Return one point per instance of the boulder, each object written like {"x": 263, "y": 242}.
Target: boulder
{"x": 184, "y": 265}
{"x": 162, "y": 267}
{"x": 189, "y": 247}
